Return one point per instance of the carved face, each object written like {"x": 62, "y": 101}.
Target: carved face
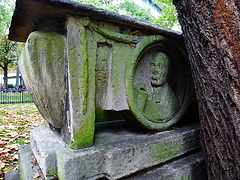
{"x": 159, "y": 68}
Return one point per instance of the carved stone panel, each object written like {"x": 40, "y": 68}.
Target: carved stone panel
{"x": 42, "y": 67}
{"x": 160, "y": 83}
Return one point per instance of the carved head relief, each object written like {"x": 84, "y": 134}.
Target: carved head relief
{"x": 160, "y": 66}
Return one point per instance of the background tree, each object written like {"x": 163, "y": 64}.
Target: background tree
{"x": 211, "y": 30}
{"x": 9, "y": 50}
{"x": 168, "y": 17}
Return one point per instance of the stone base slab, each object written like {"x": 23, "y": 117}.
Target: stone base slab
{"x": 12, "y": 175}
{"x": 191, "y": 167}
{"x": 185, "y": 168}
{"x": 119, "y": 151}
{"x": 26, "y": 166}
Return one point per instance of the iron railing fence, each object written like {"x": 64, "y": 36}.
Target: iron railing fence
{"x": 12, "y": 97}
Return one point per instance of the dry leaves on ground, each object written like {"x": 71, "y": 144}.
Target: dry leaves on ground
{"x": 16, "y": 121}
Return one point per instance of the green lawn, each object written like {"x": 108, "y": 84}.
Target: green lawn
{"x": 16, "y": 121}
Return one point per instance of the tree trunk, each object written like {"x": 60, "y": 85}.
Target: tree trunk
{"x": 211, "y": 31}
{"x": 5, "y": 69}
{"x": 17, "y": 78}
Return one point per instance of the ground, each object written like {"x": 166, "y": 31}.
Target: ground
{"x": 16, "y": 121}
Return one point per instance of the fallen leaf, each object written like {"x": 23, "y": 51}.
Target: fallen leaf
{"x": 15, "y": 157}
{"x": 34, "y": 162}
{"x": 14, "y": 146}
{"x": 2, "y": 143}
{"x": 2, "y": 165}
{"x": 55, "y": 176}
{"x": 13, "y": 134}
{"x": 137, "y": 32}
{"x": 152, "y": 132}
{"x": 133, "y": 45}
{"x": 172, "y": 128}
{"x": 8, "y": 170}
{"x": 5, "y": 152}
{"x": 37, "y": 175}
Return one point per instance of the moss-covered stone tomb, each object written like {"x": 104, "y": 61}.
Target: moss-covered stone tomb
{"x": 88, "y": 70}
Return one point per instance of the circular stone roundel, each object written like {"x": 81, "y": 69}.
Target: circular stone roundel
{"x": 158, "y": 84}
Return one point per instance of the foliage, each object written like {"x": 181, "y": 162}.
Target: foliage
{"x": 9, "y": 50}
{"x": 5, "y": 17}
{"x": 126, "y": 7}
{"x": 16, "y": 121}
{"x": 168, "y": 17}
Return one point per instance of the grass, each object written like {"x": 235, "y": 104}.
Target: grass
{"x": 14, "y": 97}
{"x": 16, "y": 122}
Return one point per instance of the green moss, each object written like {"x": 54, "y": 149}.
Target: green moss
{"x": 121, "y": 53}
{"x": 83, "y": 50}
{"x": 101, "y": 115}
{"x": 42, "y": 45}
{"x": 78, "y": 69}
{"x": 29, "y": 78}
{"x": 186, "y": 178}
{"x": 125, "y": 38}
{"x": 25, "y": 64}
{"x": 61, "y": 154}
{"x": 84, "y": 133}
{"x": 22, "y": 177}
{"x": 105, "y": 116}
{"x": 82, "y": 85}
{"x": 73, "y": 68}
{"x": 60, "y": 163}
{"x": 166, "y": 151}
{"x": 54, "y": 43}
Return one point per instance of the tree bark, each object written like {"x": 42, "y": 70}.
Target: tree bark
{"x": 17, "y": 78}
{"x": 211, "y": 30}
{"x": 5, "y": 69}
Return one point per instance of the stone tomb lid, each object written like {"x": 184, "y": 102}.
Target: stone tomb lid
{"x": 30, "y": 14}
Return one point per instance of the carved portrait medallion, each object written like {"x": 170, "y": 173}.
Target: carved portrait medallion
{"x": 155, "y": 98}
{"x": 160, "y": 85}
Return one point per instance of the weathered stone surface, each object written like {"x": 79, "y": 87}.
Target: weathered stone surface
{"x": 186, "y": 168}
{"x": 44, "y": 144}
{"x": 191, "y": 167}
{"x": 81, "y": 83}
{"x": 118, "y": 151}
{"x": 12, "y": 175}
{"x": 25, "y": 164}
{"x": 42, "y": 65}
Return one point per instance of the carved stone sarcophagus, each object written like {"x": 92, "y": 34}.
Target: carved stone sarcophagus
{"x": 84, "y": 65}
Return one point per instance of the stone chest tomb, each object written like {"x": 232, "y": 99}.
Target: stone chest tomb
{"x": 84, "y": 65}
